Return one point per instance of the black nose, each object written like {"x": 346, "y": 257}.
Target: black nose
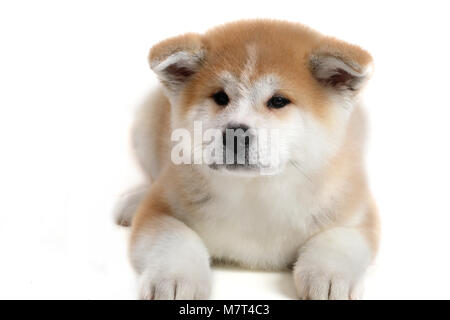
{"x": 236, "y": 138}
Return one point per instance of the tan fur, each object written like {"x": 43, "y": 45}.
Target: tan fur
{"x": 153, "y": 116}
{"x": 154, "y": 205}
{"x": 277, "y": 54}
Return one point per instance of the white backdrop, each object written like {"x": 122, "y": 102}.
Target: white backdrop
{"x": 71, "y": 74}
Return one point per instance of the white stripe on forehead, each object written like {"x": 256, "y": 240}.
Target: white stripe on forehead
{"x": 249, "y": 67}
{"x": 243, "y": 82}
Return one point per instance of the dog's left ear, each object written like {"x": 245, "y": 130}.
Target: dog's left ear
{"x": 177, "y": 59}
{"x": 340, "y": 66}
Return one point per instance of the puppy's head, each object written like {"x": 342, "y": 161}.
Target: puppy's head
{"x": 265, "y": 94}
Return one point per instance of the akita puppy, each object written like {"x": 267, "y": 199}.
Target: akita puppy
{"x": 301, "y": 203}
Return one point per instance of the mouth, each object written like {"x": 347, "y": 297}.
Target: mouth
{"x": 240, "y": 170}
{"x": 235, "y": 167}
{"x": 244, "y": 170}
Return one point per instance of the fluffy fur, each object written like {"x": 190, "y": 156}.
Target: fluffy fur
{"x": 316, "y": 215}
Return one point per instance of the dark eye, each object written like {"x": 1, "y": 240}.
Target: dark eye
{"x": 277, "y": 102}
{"x": 221, "y": 98}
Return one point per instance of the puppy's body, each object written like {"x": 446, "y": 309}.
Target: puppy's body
{"x": 315, "y": 214}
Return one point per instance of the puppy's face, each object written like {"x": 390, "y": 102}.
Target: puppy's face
{"x": 266, "y": 94}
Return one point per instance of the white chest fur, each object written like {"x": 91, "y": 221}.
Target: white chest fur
{"x": 260, "y": 222}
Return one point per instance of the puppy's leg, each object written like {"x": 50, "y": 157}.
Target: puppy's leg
{"x": 332, "y": 263}
{"x": 126, "y": 207}
{"x": 170, "y": 258}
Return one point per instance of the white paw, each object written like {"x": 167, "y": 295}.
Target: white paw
{"x": 331, "y": 266}
{"x": 312, "y": 283}
{"x": 126, "y": 207}
{"x": 172, "y": 261}
{"x": 172, "y": 285}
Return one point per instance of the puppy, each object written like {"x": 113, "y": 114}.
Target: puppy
{"x": 301, "y": 202}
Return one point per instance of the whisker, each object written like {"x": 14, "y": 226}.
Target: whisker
{"x": 300, "y": 169}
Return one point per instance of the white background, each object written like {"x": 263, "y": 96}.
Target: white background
{"x": 72, "y": 73}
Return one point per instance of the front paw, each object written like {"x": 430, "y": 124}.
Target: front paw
{"x": 186, "y": 283}
{"x": 332, "y": 265}
{"x": 315, "y": 283}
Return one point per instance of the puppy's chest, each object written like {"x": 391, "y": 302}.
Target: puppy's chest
{"x": 257, "y": 225}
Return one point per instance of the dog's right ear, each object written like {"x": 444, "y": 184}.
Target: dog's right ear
{"x": 177, "y": 59}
